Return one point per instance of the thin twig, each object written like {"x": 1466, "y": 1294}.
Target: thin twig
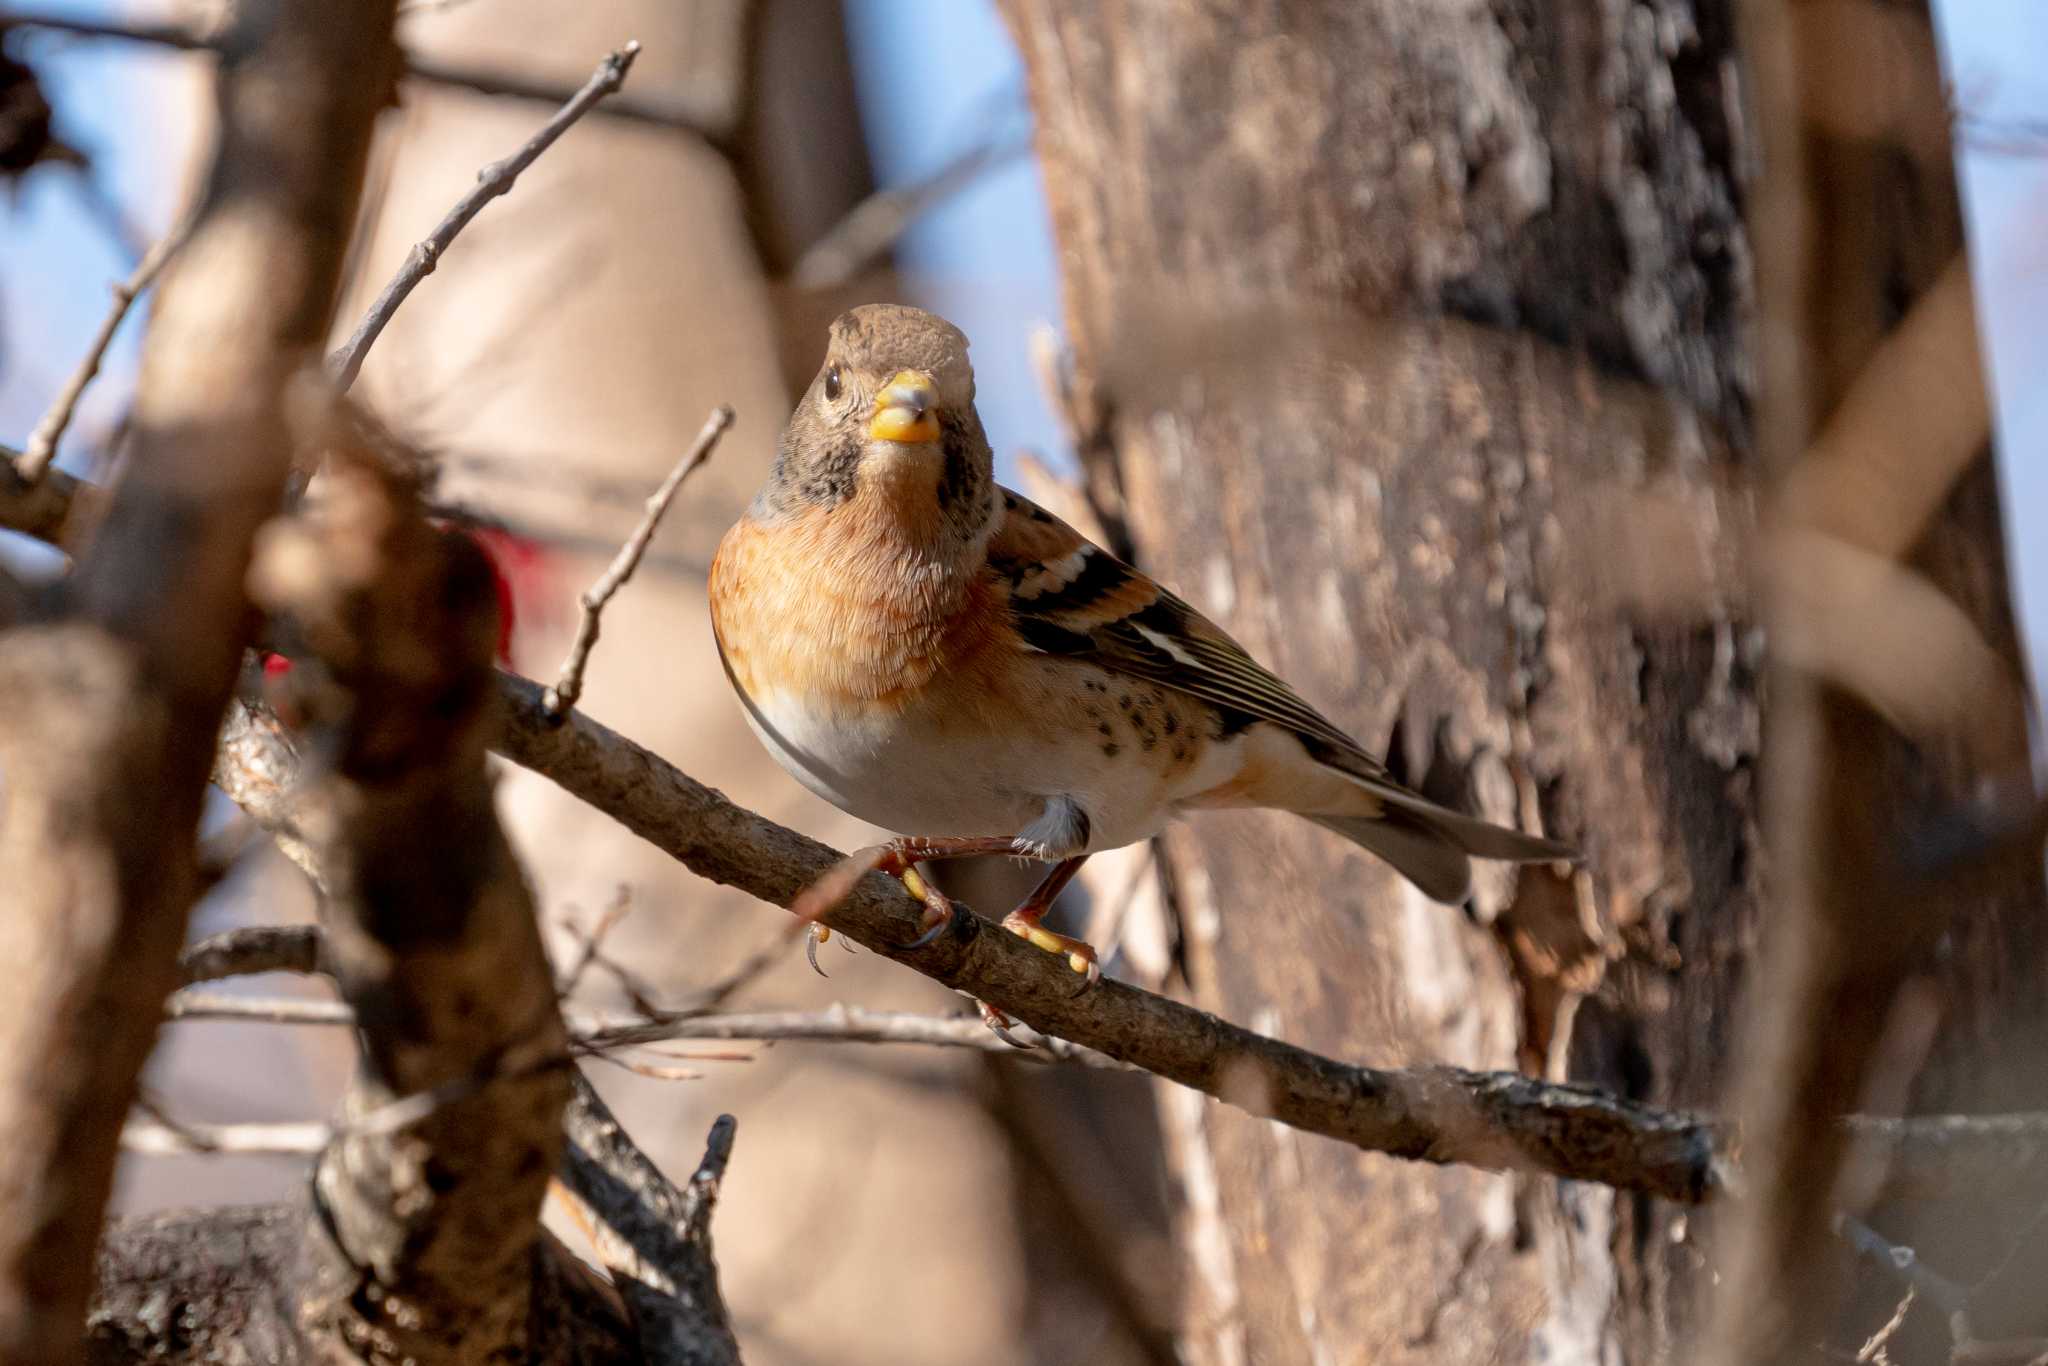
{"x": 492, "y": 181}
{"x": 568, "y": 687}
{"x": 837, "y": 1024}
{"x": 42, "y": 442}
{"x": 594, "y": 1032}
{"x": 872, "y": 227}
{"x": 162, "y": 1134}
{"x": 1947, "y": 1296}
{"x": 163, "y": 1138}
{"x": 593, "y": 941}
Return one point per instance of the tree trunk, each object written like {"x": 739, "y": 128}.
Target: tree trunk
{"x": 1374, "y": 309}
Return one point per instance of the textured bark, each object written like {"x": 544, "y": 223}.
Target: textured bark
{"x": 1366, "y": 300}
{"x": 108, "y": 736}
{"x": 217, "y": 1288}
{"x": 1373, "y": 308}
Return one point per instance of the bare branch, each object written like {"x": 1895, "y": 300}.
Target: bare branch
{"x": 492, "y": 181}
{"x": 1924, "y": 1156}
{"x": 1434, "y": 1114}
{"x": 871, "y": 229}
{"x": 569, "y": 684}
{"x": 657, "y": 1243}
{"x": 48, "y": 509}
{"x": 162, "y": 1138}
{"x": 42, "y": 442}
{"x": 251, "y": 949}
{"x": 596, "y": 1032}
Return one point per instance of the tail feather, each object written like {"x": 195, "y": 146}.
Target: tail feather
{"x": 1432, "y": 846}
{"x": 1481, "y": 839}
{"x": 1414, "y": 848}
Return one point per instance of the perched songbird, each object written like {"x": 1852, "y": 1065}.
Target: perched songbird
{"x": 933, "y": 653}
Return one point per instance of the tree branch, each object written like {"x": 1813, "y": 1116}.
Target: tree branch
{"x": 426, "y": 1238}
{"x": 48, "y": 509}
{"x": 493, "y": 180}
{"x": 568, "y": 687}
{"x": 657, "y": 1243}
{"x": 1437, "y": 1114}
{"x": 251, "y": 949}
{"x": 109, "y": 731}
{"x": 42, "y": 442}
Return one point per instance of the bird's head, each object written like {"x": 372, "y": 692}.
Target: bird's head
{"x": 891, "y": 411}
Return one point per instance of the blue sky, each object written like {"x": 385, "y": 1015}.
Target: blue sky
{"x": 1997, "y": 57}
{"x": 985, "y": 257}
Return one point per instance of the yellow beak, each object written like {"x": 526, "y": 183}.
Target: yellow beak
{"x": 906, "y": 410}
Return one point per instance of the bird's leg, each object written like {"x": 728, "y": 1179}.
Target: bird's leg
{"x": 899, "y": 858}
{"x": 1025, "y": 920}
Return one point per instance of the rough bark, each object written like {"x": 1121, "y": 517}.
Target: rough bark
{"x": 113, "y": 705}
{"x": 1406, "y": 297}
{"x": 420, "y": 1243}
{"x": 216, "y": 1288}
{"x": 1365, "y": 300}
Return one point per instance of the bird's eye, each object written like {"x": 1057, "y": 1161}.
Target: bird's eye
{"x": 832, "y": 385}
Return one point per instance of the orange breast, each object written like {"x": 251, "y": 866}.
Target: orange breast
{"x": 831, "y": 606}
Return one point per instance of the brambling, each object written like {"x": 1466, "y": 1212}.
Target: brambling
{"x": 935, "y": 654}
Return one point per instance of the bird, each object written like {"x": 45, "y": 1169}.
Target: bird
{"x": 937, "y": 655}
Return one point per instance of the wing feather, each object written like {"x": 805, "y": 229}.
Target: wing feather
{"x": 1068, "y": 596}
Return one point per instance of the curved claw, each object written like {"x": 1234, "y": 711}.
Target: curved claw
{"x": 933, "y": 931}
{"x": 1000, "y": 1025}
{"x": 814, "y": 936}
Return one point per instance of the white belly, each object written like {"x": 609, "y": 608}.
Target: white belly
{"x": 888, "y": 771}
{"x": 919, "y": 777}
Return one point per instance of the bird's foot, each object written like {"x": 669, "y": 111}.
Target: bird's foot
{"x": 816, "y": 935}
{"x": 1000, "y": 1025}
{"x": 1024, "y": 922}
{"x": 899, "y": 858}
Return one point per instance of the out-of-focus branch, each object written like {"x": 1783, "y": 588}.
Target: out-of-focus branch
{"x": 655, "y": 1239}
{"x": 425, "y": 1239}
{"x": 108, "y": 734}
{"x": 256, "y": 765}
{"x": 48, "y": 509}
{"x": 250, "y": 949}
{"x": 569, "y": 684}
{"x": 682, "y": 113}
{"x": 1918, "y": 413}
{"x": 42, "y": 441}
{"x": 871, "y": 229}
{"x": 493, "y": 180}
{"x": 1866, "y": 427}
{"x": 607, "y": 1033}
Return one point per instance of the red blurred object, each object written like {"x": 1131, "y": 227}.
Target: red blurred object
{"x": 521, "y": 569}
{"x": 522, "y": 572}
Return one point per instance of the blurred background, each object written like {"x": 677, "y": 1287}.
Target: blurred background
{"x": 559, "y": 359}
